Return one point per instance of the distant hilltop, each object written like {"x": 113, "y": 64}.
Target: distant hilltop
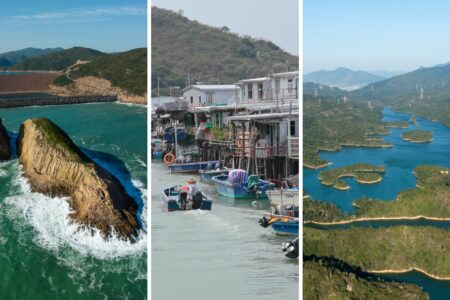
{"x": 85, "y": 71}
{"x": 342, "y": 78}
{"x": 11, "y": 58}
{"x": 211, "y": 55}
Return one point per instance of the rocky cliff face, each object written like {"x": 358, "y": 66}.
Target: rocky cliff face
{"x": 56, "y": 167}
{"x": 5, "y": 150}
{"x": 90, "y": 85}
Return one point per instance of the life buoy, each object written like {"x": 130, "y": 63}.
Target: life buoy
{"x": 169, "y": 158}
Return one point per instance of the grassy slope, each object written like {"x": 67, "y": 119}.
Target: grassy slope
{"x": 181, "y": 46}
{"x": 391, "y": 248}
{"x": 127, "y": 70}
{"x": 59, "y": 60}
{"x": 328, "y": 125}
{"x": 328, "y": 279}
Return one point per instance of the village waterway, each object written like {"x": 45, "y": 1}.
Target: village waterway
{"x": 219, "y": 254}
{"x": 42, "y": 255}
{"x": 400, "y": 162}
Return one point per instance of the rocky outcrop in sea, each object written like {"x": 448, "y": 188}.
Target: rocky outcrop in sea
{"x": 5, "y": 149}
{"x": 55, "y": 166}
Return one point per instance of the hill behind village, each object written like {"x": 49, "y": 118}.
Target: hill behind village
{"x": 208, "y": 54}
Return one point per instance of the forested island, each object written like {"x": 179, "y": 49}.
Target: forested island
{"x": 330, "y": 124}
{"x": 392, "y": 249}
{"x": 328, "y": 278}
{"x": 429, "y": 200}
{"x": 363, "y": 173}
{"x": 417, "y": 136}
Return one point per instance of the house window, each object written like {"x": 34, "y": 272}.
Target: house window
{"x": 290, "y": 86}
{"x": 260, "y": 90}
{"x": 250, "y": 91}
{"x": 192, "y": 99}
{"x": 292, "y": 128}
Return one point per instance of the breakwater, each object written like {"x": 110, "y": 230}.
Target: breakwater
{"x": 54, "y": 100}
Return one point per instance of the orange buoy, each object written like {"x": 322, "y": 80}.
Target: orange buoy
{"x": 169, "y": 158}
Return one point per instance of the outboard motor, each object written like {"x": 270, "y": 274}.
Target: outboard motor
{"x": 197, "y": 200}
{"x": 264, "y": 222}
{"x": 182, "y": 199}
{"x": 291, "y": 248}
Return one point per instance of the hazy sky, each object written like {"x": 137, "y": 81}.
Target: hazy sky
{"x": 106, "y": 25}
{"x": 397, "y": 35}
{"x": 276, "y": 21}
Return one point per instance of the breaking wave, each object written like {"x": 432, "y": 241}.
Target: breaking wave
{"x": 54, "y": 230}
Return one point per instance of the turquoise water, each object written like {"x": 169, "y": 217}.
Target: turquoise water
{"x": 400, "y": 162}
{"x": 220, "y": 254}
{"x": 41, "y": 255}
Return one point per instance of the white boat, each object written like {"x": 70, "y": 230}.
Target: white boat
{"x": 284, "y": 196}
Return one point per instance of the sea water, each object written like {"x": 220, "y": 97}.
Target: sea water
{"x": 42, "y": 254}
{"x": 220, "y": 254}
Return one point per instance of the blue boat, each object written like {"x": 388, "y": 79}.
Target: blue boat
{"x": 286, "y": 227}
{"x": 240, "y": 190}
{"x": 194, "y": 167}
{"x": 207, "y": 175}
{"x": 176, "y": 200}
{"x": 169, "y": 135}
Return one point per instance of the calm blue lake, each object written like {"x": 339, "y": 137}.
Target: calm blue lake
{"x": 400, "y": 162}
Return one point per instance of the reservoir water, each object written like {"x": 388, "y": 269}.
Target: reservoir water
{"x": 400, "y": 162}
{"x": 219, "y": 254}
{"x": 41, "y": 255}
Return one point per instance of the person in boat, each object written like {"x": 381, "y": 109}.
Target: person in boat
{"x": 194, "y": 193}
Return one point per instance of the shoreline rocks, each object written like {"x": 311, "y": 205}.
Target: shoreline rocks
{"x": 5, "y": 148}
{"x": 55, "y": 166}
{"x": 90, "y": 85}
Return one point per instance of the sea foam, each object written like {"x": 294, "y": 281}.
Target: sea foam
{"x": 54, "y": 227}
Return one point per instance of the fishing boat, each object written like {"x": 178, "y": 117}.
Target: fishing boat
{"x": 169, "y": 134}
{"x": 284, "y": 196}
{"x": 207, "y": 175}
{"x": 157, "y": 148}
{"x": 286, "y": 227}
{"x": 237, "y": 185}
{"x": 192, "y": 167}
{"x": 291, "y": 248}
{"x": 175, "y": 198}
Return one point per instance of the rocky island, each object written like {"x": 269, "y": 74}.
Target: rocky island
{"x": 5, "y": 150}
{"x": 55, "y": 166}
{"x": 363, "y": 173}
{"x": 417, "y": 136}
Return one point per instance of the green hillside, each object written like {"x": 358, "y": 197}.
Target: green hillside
{"x": 211, "y": 55}
{"x": 329, "y": 124}
{"x": 58, "y": 60}
{"x": 127, "y": 70}
{"x": 403, "y": 92}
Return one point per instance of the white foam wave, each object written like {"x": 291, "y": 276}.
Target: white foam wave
{"x": 140, "y": 161}
{"x": 50, "y": 219}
